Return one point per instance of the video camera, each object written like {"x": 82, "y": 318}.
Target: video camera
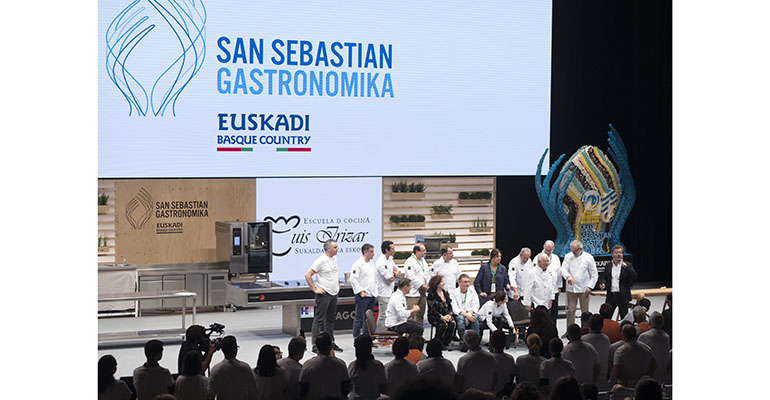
{"x": 217, "y": 328}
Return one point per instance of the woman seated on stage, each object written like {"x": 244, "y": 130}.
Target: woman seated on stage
{"x": 440, "y": 310}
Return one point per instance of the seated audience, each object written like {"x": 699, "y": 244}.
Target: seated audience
{"x": 506, "y": 365}
{"x": 641, "y": 321}
{"x": 582, "y": 355}
{"x": 191, "y": 384}
{"x": 528, "y": 365}
{"x": 644, "y": 303}
{"x": 424, "y": 388}
{"x": 584, "y": 322}
{"x": 109, "y": 387}
{"x": 440, "y": 310}
{"x": 667, "y": 316}
{"x": 590, "y": 391}
{"x": 526, "y": 391}
{"x": 541, "y": 324}
{"x": 600, "y": 342}
{"x": 566, "y": 388}
{"x": 324, "y": 375}
{"x": 367, "y": 375}
{"x": 398, "y": 371}
{"x": 478, "y": 368}
{"x": 292, "y": 367}
{"x": 611, "y": 356}
{"x": 555, "y": 367}
{"x": 150, "y": 379}
{"x": 271, "y": 381}
{"x": 436, "y": 366}
{"x": 632, "y": 360}
{"x": 475, "y": 394}
{"x": 610, "y": 327}
{"x": 659, "y": 342}
{"x": 465, "y": 306}
{"x": 416, "y": 345}
{"x": 232, "y": 378}
{"x": 648, "y": 389}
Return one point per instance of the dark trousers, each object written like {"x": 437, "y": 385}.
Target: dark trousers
{"x": 445, "y": 331}
{"x": 555, "y": 308}
{"x": 410, "y": 327}
{"x": 324, "y": 314}
{"x": 613, "y": 299}
{"x": 362, "y": 304}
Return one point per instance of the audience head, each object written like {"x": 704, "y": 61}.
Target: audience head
{"x": 573, "y": 332}
{"x": 566, "y": 388}
{"x": 230, "y": 347}
{"x": 648, "y": 389}
{"x": 153, "y": 350}
{"x": 278, "y": 353}
{"x": 165, "y": 396}
{"x": 433, "y": 348}
{"x": 323, "y": 342}
{"x": 534, "y": 343}
{"x": 540, "y": 317}
{"x": 434, "y": 282}
{"x": 624, "y": 323}
{"x": 297, "y": 347}
{"x": 656, "y": 320}
{"x": 192, "y": 363}
{"x": 556, "y": 346}
{"x": 645, "y": 302}
{"x": 590, "y": 391}
{"x": 423, "y": 388}
{"x": 400, "y": 347}
{"x": 475, "y": 394}
{"x": 628, "y": 332}
{"x": 107, "y": 367}
{"x": 525, "y": 391}
{"x": 363, "y": 345}
{"x": 605, "y": 310}
{"x": 194, "y": 334}
{"x": 266, "y": 363}
{"x": 639, "y": 313}
{"x": 472, "y": 339}
{"x": 417, "y": 343}
{"x": 596, "y": 323}
{"x": 584, "y": 318}
{"x": 497, "y": 341}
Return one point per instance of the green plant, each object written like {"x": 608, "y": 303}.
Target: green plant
{"x": 479, "y": 223}
{"x": 442, "y": 209}
{"x": 103, "y": 199}
{"x": 406, "y": 218}
{"x": 465, "y": 195}
{"x": 395, "y": 219}
{"x": 399, "y": 187}
{"x": 102, "y": 241}
{"x": 402, "y": 255}
{"x": 452, "y": 238}
{"x": 482, "y": 252}
{"x": 404, "y": 187}
{"x": 419, "y": 188}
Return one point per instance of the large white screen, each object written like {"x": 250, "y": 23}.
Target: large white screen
{"x": 407, "y": 88}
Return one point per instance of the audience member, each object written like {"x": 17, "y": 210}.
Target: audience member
{"x": 436, "y": 366}
{"x": 397, "y": 319}
{"x": 367, "y": 375}
{"x": 416, "y": 346}
{"x": 478, "y": 368}
{"x": 526, "y": 391}
{"x": 667, "y": 316}
{"x": 611, "y": 356}
{"x": 150, "y": 379}
{"x": 292, "y": 367}
{"x": 528, "y": 365}
{"x": 398, "y": 371}
{"x": 555, "y": 367}
{"x": 324, "y": 375}
{"x": 109, "y": 387}
{"x": 584, "y": 318}
{"x": 440, "y": 310}
{"x": 566, "y": 388}
{"x": 641, "y": 321}
{"x": 644, "y": 303}
{"x": 278, "y": 353}
{"x": 506, "y": 365}
{"x": 495, "y": 313}
{"x": 271, "y": 380}
{"x": 610, "y": 327}
{"x": 424, "y": 388}
{"x": 582, "y": 355}
{"x": 541, "y": 324}
{"x": 191, "y": 384}
{"x": 465, "y": 305}
{"x": 590, "y": 391}
{"x": 648, "y": 389}
{"x": 195, "y": 339}
{"x": 633, "y": 360}
{"x": 165, "y": 397}
{"x": 600, "y": 342}
{"x": 232, "y": 378}
{"x": 659, "y": 342}
{"x": 475, "y": 394}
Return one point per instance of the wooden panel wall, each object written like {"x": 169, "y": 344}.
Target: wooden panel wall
{"x": 143, "y": 236}
{"x": 443, "y": 191}
{"x": 106, "y": 222}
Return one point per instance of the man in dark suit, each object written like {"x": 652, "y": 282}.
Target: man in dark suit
{"x": 619, "y": 276}
{"x": 492, "y": 277}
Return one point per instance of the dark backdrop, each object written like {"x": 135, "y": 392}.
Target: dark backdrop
{"x": 611, "y": 64}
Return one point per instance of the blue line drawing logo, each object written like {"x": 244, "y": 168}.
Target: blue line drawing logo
{"x": 161, "y": 47}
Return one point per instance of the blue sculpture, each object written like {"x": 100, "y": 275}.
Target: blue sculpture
{"x": 589, "y": 199}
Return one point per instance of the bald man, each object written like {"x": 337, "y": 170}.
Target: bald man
{"x": 554, "y": 269}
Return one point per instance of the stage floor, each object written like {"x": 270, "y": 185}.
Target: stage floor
{"x": 255, "y": 327}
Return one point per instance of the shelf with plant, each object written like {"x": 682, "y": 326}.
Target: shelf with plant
{"x": 407, "y": 221}
{"x": 103, "y": 247}
{"x": 104, "y": 208}
{"x": 401, "y": 255}
{"x": 403, "y": 190}
{"x": 452, "y": 241}
{"x": 481, "y": 252}
{"x": 441, "y": 211}
{"x": 480, "y": 225}
{"x": 475, "y": 198}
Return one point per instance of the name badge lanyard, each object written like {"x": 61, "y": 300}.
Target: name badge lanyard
{"x": 494, "y": 273}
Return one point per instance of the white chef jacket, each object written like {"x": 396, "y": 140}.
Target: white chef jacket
{"x": 490, "y": 309}
{"x": 468, "y": 301}
{"x": 417, "y": 272}
{"x": 582, "y": 270}
{"x": 397, "y": 313}
{"x": 384, "y": 267}
{"x": 518, "y": 274}
{"x": 540, "y": 287}
{"x": 448, "y": 270}
{"x": 554, "y": 267}
{"x": 362, "y": 277}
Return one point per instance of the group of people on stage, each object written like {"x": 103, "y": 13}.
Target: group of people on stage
{"x": 446, "y": 294}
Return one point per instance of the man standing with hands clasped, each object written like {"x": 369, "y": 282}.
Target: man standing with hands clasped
{"x": 325, "y": 311}
{"x": 579, "y": 269}
{"x": 618, "y": 279}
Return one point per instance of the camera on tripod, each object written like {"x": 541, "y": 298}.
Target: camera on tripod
{"x": 217, "y": 328}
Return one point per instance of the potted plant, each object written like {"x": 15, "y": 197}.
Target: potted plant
{"x": 103, "y": 247}
{"x": 103, "y": 207}
{"x": 480, "y": 225}
{"x": 402, "y": 190}
{"x": 407, "y": 221}
{"x": 452, "y": 241}
{"x": 481, "y": 252}
{"x": 441, "y": 211}
{"x": 475, "y": 198}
